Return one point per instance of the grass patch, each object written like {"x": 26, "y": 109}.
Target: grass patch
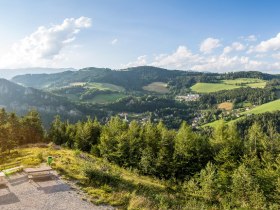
{"x": 157, "y": 87}
{"x": 106, "y": 98}
{"x": 212, "y": 87}
{"x": 228, "y": 85}
{"x": 97, "y": 85}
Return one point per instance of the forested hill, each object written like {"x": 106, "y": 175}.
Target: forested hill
{"x": 131, "y": 78}
{"x": 19, "y": 99}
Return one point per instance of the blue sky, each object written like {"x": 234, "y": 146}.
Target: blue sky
{"x": 203, "y": 35}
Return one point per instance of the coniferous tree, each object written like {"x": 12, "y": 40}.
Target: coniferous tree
{"x": 246, "y": 192}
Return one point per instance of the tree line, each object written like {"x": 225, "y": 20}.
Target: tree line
{"x": 221, "y": 168}
{"x": 15, "y": 130}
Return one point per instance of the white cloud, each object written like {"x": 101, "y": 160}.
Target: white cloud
{"x": 181, "y": 58}
{"x": 209, "y": 44}
{"x": 141, "y": 61}
{"x": 250, "y": 38}
{"x": 272, "y": 44}
{"x": 45, "y": 44}
{"x": 236, "y": 46}
{"x": 114, "y": 41}
{"x": 222, "y": 63}
{"x": 276, "y": 56}
{"x": 238, "y": 56}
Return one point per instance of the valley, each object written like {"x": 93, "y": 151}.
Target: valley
{"x": 153, "y": 93}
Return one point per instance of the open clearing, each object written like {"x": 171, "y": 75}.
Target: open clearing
{"x": 228, "y": 85}
{"x": 226, "y": 106}
{"x": 97, "y": 85}
{"x": 158, "y": 87}
{"x": 106, "y": 98}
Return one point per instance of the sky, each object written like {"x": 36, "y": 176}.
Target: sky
{"x": 200, "y": 35}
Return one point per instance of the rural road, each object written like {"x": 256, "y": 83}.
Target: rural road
{"x": 42, "y": 195}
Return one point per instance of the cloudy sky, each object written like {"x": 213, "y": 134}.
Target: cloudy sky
{"x": 202, "y": 35}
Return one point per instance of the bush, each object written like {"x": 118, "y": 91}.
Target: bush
{"x": 101, "y": 177}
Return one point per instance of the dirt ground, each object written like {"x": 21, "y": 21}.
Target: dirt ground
{"x": 47, "y": 194}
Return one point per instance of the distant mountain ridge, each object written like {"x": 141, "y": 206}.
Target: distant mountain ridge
{"x": 19, "y": 99}
{"x": 131, "y": 78}
{"x": 10, "y": 73}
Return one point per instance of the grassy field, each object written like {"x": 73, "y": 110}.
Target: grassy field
{"x": 212, "y": 87}
{"x": 228, "y": 85}
{"x": 158, "y": 87}
{"x": 100, "y": 86}
{"x": 244, "y": 81}
{"x": 106, "y": 98}
{"x": 268, "y": 107}
{"x": 101, "y": 98}
{"x": 226, "y": 105}
{"x": 111, "y": 184}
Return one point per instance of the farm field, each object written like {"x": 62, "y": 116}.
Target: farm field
{"x": 158, "y": 87}
{"x": 228, "y": 85}
{"x": 106, "y": 98}
{"x": 212, "y": 87}
{"x": 100, "y": 86}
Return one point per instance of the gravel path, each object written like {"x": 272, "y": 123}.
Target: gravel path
{"x": 51, "y": 194}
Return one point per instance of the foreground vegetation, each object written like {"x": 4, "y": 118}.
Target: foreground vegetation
{"x": 105, "y": 183}
{"x": 231, "y": 169}
{"x": 134, "y": 166}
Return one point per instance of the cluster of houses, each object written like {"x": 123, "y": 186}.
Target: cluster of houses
{"x": 188, "y": 97}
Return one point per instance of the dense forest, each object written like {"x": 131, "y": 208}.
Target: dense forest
{"x": 232, "y": 166}
{"x": 256, "y": 96}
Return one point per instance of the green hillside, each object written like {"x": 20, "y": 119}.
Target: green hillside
{"x": 157, "y": 87}
{"x": 212, "y": 87}
{"x": 131, "y": 78}
{"x": 112, "y": 184}
{"x": 106, "y": 98}
{"x": 229, "y": 84}
{"x": 268, "y": 107}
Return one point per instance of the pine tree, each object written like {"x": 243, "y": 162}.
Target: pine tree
{"x": 246, "y": 192}
{"x": 136, "y": 144}
{"x": 257, "y": 140}
{"x": 151, "y": 137}
{"x": 33, "y": 129}
{"x": 191, "y": 152}
{"x": 164, "y": 164}
{"x": 110, "y": 138}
